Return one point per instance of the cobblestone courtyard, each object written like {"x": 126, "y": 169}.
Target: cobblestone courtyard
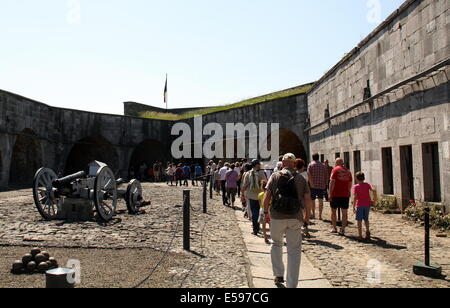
{"x": 131, "y": 246}
{"x": 397, "y": 245}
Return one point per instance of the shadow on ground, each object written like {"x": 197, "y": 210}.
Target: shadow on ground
{"x": 325, "y": 244}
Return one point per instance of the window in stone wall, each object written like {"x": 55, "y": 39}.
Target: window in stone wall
{"x": 367, "y": 91}
{"x": 431, "y": 172}
{"x": 327, "y": 112}
{"x": 347, "y": 160}
{"x": 322, "y": 158}
{"x": 388, "y": 172}
{"x": 357, "y": 161}
{"x": 407, "y": 175}
{"x": 337, "y": 155}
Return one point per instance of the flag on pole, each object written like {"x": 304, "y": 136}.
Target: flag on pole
{"x": 165, "y": 92}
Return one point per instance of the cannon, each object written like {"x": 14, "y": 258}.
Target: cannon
{"x": 97, "y": 190}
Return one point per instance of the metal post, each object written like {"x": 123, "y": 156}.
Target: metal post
{"x": 186, "y": 220}
{"x": 427, "y": 236}
{"x": 427, "y": 269}
{"x": 211, "y": 186}
{"x": 205, "y": 210}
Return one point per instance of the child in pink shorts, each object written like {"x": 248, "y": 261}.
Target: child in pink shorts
{"x": 362, "y": 203}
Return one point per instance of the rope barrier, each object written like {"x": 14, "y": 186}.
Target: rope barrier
{"x": 202, "y": 246}
{"x": 165, "y": 253}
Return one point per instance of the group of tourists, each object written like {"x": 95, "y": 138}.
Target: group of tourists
{"x": 287, "y": 199}
{"x": 144, "y": 172}
{"x": 290, "y": 203}
{"x": 182, "y": 173}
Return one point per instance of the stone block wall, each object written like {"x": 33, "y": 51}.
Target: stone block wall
{"x": 413, "y": 40}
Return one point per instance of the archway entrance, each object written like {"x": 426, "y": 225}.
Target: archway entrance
{"x": 148, "y": 152}
{"x": 289, "y": 143}
{"x": 89, "y": 149}
{"x": 26, "y": 158}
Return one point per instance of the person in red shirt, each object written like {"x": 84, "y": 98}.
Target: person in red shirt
{"x": 340, "y": 192}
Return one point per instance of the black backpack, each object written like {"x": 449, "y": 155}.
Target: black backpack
{"x": 285, "y": 199}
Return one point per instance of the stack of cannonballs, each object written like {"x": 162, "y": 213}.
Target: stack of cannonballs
{"x": 36, "y": 261}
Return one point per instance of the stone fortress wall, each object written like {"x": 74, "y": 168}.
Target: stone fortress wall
{"x": 384, "y": 107}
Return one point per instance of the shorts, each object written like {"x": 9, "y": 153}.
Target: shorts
{"x": 340, "y": 203}
{"x": 318, "y": 194}
{"x": 362, "y": 213}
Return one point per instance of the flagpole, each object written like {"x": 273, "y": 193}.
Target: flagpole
{"x": 167, "y": 95}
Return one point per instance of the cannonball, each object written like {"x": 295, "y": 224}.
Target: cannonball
{"x": 35, "y": 252}
{"x": 49, "y": 264}
{"x": 31, "y": 266}
{"x": 46, "y": 254}
{"x": 43, "y": 267}
{"x": 40, "y": 258}
{"x": 27, "y": 259}
{"x": 17, "y": 266}
{"x": 53, "y": 262}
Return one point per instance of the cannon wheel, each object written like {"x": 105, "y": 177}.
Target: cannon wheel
{"x": 43, "y": 193}
{"x": 133, "y": 196}
{"x": 105, "y": 193}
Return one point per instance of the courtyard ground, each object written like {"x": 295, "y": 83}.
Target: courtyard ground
{"x": 397, "y": 245}
{"x": 123, "y": 252}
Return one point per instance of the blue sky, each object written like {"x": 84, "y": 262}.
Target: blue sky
{"x": 215, "y": 52}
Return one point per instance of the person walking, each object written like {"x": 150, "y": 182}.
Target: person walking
{"x": 192, "y": 175}
{"x": 264, "y": 220}
{"x": 198, "y": 174}
{"x": 231, "y": 179}
{"x": 278, "y": 168}
{"x": 362, "y": 203}
{"x": 330, "y": 169}
{"x": 317, "y": 175}
{"x": 170, "y": 172}
{"x": 179, "y": 175}
{"x": 290, "y": 196}
{"x": 238, "y": 170}
{"x": 340, "y": 192}
{"x": 156, "y": 171}
{"x": 251, "y": 190}
{"x": 187, "y": 174}
{"x": 223, "y": 183}
{"x": 246, "y": 168}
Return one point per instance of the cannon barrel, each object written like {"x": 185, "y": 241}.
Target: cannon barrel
{"x": 65, "y": 180}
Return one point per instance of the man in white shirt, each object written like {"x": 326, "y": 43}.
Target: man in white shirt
{"x": 223, "y": 173}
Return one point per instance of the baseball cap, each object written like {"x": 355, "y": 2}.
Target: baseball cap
{"x": 289, "y": 157}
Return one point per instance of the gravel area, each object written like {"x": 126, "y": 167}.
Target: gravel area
{"x": 130, "y": 246}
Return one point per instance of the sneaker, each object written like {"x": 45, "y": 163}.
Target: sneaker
{"x": 368, "y": 236}
{"x": 334, "y": 231}
{"x": 279, "y": 280}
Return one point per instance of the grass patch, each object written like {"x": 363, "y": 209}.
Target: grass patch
{"x": 248, "y": 102}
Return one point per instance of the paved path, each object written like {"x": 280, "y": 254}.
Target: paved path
{"x": 261, "y": 267}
